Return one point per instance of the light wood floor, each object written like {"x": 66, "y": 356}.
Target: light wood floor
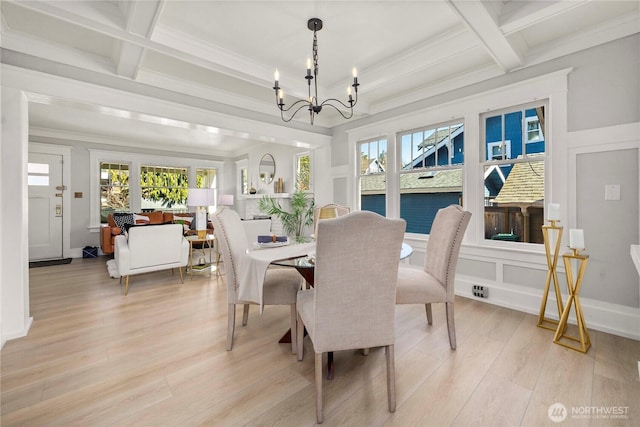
{"x": 157, "y": 357}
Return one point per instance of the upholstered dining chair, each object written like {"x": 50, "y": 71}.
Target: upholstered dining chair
{"x": 352, "y": 304}
{"x": 281, "y": 285}
{"x": 435, "y": 283}
{"x": 330, "y": 210}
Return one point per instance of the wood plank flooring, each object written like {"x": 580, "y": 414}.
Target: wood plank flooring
{"x": 157, "y": 357}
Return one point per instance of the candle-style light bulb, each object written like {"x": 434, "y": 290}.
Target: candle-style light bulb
{"x": 308, "y": 66}
{"x": 354, "y": 72}
{"x": 349, "y": 93}
{"x": 280, "y": 95}
{"x": 276, "y": 76}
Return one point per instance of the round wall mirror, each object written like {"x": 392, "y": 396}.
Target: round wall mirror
{"x": 267, "y": 169}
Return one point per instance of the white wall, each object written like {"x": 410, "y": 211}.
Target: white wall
{"x": 14, "y": 274}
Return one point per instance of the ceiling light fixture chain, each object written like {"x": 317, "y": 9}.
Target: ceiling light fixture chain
{"x": 311, "y": 103}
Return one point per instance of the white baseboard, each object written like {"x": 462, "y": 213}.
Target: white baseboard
{"x": 601, "y": 316}
{"x": 18, "y": 334}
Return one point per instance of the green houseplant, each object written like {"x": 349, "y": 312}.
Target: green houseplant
{"x": 293, "y": 222}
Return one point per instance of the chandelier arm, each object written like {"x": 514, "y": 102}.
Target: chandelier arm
{"x": 294, "y": 113}
{"x": 303, "y": 101}
{"x": 328, "y": 104}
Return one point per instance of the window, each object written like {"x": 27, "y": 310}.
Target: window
{"x": 303, "y": 171}
{"x": 499, "y": 150}
{"x": 372, "y": 174}
{"x": 431, "y": 173}
{"x": 514, "y": 170}
{"x": 114, "y": 189}
{"x": 534, "y": 132}
{"x": 38, "y": 174}
{"x": 163, "y": 188}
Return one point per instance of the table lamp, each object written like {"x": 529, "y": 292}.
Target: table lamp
{"x": 201, "y": 198}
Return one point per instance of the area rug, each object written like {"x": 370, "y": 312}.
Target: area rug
{"x": 112, "y": 267}
{"x": 49, "y": 262}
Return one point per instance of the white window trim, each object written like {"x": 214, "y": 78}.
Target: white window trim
{"x": 240, "y": 165}
{"x": 552, "y": 86}
{"x": 135, "y": 160}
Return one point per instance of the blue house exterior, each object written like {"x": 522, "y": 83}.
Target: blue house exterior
{"x": 421, "y": 198}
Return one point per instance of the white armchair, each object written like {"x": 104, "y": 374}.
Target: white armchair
{"x": 151, "y": 248}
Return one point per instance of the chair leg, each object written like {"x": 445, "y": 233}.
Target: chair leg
{"x": 294, "y": 335}
{"x": 181, "y": 277}
{"x": 245, "y": 315}
{"x": 391, "y": 377}
{"x": 126, "y": 285}
{"x": 318, "y": 372}
{"x": 451, "y": 326}
{"x": 299, "y": 337}
{"x": 231, "y": 326}
{"x": 429, "y": 315}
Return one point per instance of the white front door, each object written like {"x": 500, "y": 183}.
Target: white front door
{"x": 46, "y": 194}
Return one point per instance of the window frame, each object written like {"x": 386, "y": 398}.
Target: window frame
{"x": 296, "y": 163}
{"x": 552, "y": 86}
{"x": 426, "y": 169}
{"x": 359, "y": 144}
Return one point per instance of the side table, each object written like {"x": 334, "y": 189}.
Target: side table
{"x": 207, "y": 242}
{"x": 573, "y": 285}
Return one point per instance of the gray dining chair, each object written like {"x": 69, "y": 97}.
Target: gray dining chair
{"x": 281, "y": 285}
{"x": 352, "y": 304}
{"x": 435, "y": 283}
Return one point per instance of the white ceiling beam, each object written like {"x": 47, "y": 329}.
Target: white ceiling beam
{"x": 260, "y": 75}
{"x": 141, "y": 20}
{"x": 483, "y": 24}
{"x": 516, "y": 16}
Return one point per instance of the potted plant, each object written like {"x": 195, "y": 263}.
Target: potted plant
{"x": 293, "y": 222}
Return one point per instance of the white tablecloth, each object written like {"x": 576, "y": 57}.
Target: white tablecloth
{"x": 253, "y": 268}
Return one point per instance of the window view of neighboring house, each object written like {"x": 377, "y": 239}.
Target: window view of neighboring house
{"x": 114, "y": 189}
{"x": 514, "y": 165}
{"x": 372, "y": 182}
{"x": 431, "y": 173}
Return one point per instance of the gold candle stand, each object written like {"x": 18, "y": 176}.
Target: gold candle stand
{"x": 552, "y": 263}
{"x": 574, "y": 290}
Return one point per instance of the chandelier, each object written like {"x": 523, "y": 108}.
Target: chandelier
{"x": 311, "y": 103}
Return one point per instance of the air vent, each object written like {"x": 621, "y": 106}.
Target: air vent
{"x": 428, "y": 175}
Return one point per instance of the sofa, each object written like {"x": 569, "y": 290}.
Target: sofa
{"x": 116, "y": 221}
{"x": 151, "y": 248}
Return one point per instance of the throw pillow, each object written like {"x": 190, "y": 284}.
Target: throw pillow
{"x": 141, "y": 219}
{"x": 122, "y": 219}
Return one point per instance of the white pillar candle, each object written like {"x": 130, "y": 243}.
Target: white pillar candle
{"x": 576, "y": 238}
{"x": 553, "y": 212}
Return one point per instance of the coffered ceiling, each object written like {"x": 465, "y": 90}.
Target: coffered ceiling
{"x": 220, "y": 57}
